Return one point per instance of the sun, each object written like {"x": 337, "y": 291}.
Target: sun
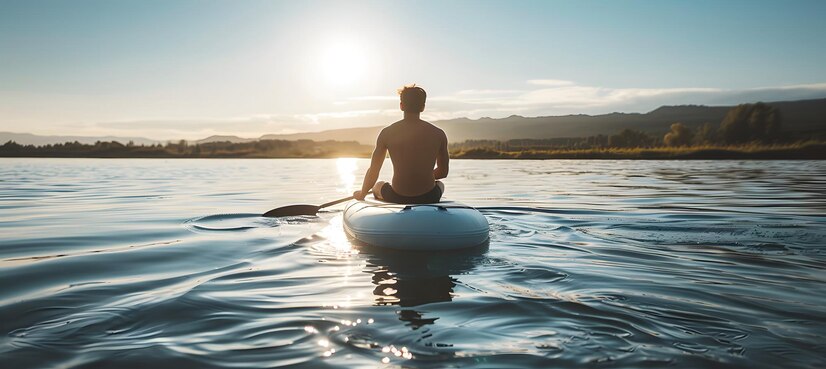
{"x": 343, "y": 62}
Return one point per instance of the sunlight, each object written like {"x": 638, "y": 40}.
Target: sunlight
{"x": 335, "y": 236}
{"x": 343, "y": 62}
{"x": 347, "y": 174}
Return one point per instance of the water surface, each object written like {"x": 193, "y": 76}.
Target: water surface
{"x": 165, "y": 263}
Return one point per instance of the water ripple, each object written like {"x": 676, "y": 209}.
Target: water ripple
{"x": 137, "y": 263}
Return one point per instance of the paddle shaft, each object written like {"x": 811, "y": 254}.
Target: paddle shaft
{"x": 296, "y": 210}
{"x": 339, "y": 201}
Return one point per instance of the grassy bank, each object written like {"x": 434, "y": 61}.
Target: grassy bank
{"x": 799, "y": 151}
{"x": 813, "y": 150}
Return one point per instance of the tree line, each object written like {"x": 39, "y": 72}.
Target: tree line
{"x": 183, "y": 149}
{"x": 746, "y": 123}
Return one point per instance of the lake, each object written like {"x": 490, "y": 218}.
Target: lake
{"x": 151, "y": 263}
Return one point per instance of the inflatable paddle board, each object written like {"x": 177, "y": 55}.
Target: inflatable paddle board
{"x": 445, "y": 225}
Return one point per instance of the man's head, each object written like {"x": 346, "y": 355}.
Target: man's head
{"x": 412, "y": 98}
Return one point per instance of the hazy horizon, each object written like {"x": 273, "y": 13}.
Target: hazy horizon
{"x": 191, "y": 69}
{"x": 324, "y": 129}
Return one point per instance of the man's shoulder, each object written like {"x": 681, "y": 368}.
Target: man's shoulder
{"x": 389, "y": 128}
{"x": 401, "y": 126}
{"x": 393, "y": 125}
{"x": 429, "y": 125}
{"x": 438, "y": 131}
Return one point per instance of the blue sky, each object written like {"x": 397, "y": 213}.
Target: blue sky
{"x": 188, "y": 69}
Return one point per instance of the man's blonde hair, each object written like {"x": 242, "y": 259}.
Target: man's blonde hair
{"x": 412, "y": 97}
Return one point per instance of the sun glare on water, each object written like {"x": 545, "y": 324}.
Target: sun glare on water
{"x": 347, "y": 174}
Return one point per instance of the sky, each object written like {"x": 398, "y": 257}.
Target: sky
{"x": 172, "y": 69}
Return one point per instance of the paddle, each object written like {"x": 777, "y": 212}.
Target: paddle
{"x": 294, "y": 210}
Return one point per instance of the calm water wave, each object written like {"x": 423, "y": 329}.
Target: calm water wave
{"x": 165, "y": 263}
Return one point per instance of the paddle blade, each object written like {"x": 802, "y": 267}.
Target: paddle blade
{"x": 292, "y": 210}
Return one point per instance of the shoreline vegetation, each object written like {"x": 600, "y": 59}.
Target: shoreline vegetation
{"x": 748, "y": 131}
{"x": 799, "y": 151}
{"x": 806, "y": 150}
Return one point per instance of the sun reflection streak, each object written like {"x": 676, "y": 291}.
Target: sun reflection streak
{"x": 347, "y": 174}
{"x": 335, "y": 236}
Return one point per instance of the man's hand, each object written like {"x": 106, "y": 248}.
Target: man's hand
{"x": 358, "y": 195}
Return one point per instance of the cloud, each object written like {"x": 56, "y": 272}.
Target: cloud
{"x": 550, "y": 82}
{"x": 486, "y": 92}
{"x": 351, "y": 114}
{"x": 812, "y": 86}
{"x": 374, "y": 98}
{"x": 586, "y": 97}
{"x": 251, "y": 126}
{"x": 558, "y": 97}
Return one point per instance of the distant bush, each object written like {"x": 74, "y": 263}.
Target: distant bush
{"x": 706, "y": 135}
{"x": 629, "y": 138}
{"x": 751, "y": 122}
{"x": 680, "y": 135}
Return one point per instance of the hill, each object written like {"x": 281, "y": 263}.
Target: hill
{"x": 37, "y": 140}
{"x": 798, "y": 116}
{"x": 363, "y": 135}
{"x": 224, "y": 138}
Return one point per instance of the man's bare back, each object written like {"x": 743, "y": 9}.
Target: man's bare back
{"x": 415, "y": 147}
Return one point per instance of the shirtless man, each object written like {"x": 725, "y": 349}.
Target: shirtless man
{"x": 415, "y": 146}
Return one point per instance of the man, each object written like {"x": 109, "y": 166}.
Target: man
{"x": 415, "y": 146}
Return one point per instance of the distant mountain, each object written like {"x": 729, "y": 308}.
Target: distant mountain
{"x": 798, "y": 116}
{"x": 804, "y": 115}
{"x": 364, "y": 135}
{"x": 30, "y": 139}
{"x": 225, "y": 138}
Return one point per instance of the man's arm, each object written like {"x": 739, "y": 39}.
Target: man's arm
{"x": 442, "y": 159}
{"x": 376, "y": 162}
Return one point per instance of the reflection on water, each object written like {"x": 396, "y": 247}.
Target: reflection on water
{"x": 347, "y": 175}
{"x": 410, "y": 279}
{"x": 411, "y": 291}
{"x": 167, "y": 263}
